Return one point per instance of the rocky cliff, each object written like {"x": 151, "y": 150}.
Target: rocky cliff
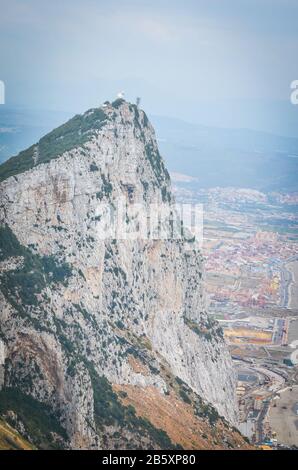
{"x": 104, "y": 340}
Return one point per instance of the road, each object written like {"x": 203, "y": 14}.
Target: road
{"x": 286, "y": 278}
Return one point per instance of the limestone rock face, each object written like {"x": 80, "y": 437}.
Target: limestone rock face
{"x": 78, "y": 302}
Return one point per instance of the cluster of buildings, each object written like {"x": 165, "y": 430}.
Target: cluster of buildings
{"x": 250, "y": 244}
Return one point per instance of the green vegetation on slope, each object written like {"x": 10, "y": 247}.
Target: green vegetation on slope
{"x": 38, "y": 419}
{"x": 118, "y": 102}
{"x": 108, "y": 411}
{"x": 32, "y": 276}
{"x": 157, "y": 164}
{"x": 74, "y": 133}
{"x": 10, "y": 439}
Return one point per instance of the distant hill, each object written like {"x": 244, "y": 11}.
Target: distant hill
{"x": 228, "y": 157}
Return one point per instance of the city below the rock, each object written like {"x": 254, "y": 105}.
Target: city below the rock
{"x": 250, "y": 246}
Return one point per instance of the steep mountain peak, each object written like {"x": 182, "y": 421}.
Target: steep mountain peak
{"x": 72, "y": 134}
{"x": 95, "y": 326}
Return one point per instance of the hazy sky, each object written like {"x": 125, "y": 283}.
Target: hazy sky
{"x": 220, "y": 62}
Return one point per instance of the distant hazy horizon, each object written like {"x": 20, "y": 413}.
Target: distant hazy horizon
{"x": 219, "y": 63}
